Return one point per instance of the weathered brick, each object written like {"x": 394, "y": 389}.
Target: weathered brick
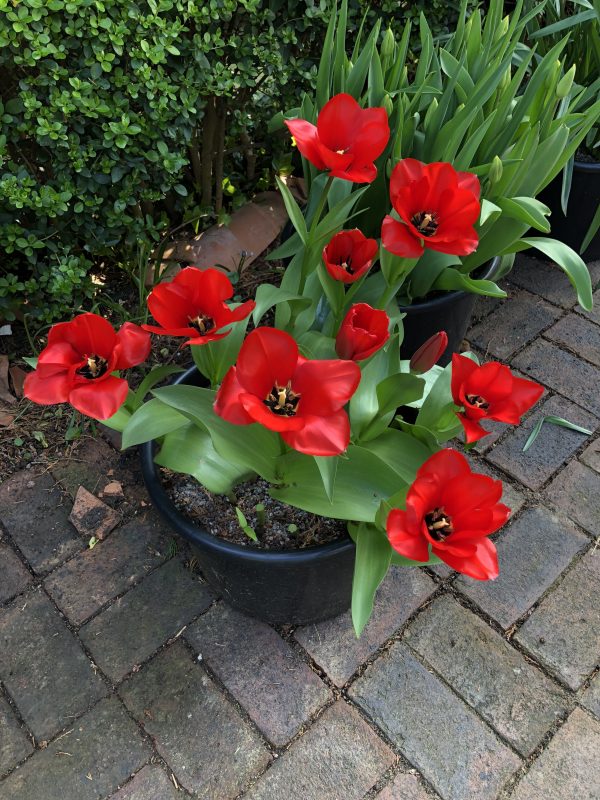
{"x": 564, "y": 631}
{"x": 553, "y": 446}
{"x": 150, "y": 783}
{"x": 508, "y": 692}
{"x": 532, "y": 552}
{"x": 568, "y": 767}
{"x": 13, "y": 575}
{"x": 102, "y": 750}
{"x": 36, "y": 515}
{"x": 405, "y": 786}
{"x": 43, "y": 667}
{"x": 560, "y": 370}
{"x": 544, "y": 279}
{"x": 591, "y": 697}
{"x": 434, "y": 729}
{"x": 495, "y": 431}
{"x": 591, "y": 455}
{"x": 83, "y": 585}
{"x": 333, "y": 643}
{"x": 213, "y": 752}
{"x": 594, "y": 314}
{"x": 339, "y": 757}
{"x": 160, "y": 605}
{"x": 578, "y": 335}
{"x": 14, "y": 743}
{"x": 277, "y": 689}
{"x": 515, "y": 323}
{"x": 511, "y": 496}
{"x": 576, "y": 492}
{"x": 483, "y": 308}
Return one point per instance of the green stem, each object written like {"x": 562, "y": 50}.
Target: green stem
{"x": 319, "y": 210}
{"x": 390, "y": 291}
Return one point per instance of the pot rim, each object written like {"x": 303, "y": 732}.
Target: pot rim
{"x": 586, "y": 166}
{"x": 423, "y": 306}
{"x": 197, "y": 535}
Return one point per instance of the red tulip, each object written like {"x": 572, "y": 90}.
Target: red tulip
{"x": 438, "y": 207}
{"x": 363, "y": 331}
{"x": 453, "y": 510}
{"x": 193, "y": 304}
{"x": 490, "y": 391}
{"x": 77, "y": 364}
{"x": 346, "y": 139}
{"x": 429, "y": 353}
{"x": 349, "y": 255}
{"x": 302, "y": 400}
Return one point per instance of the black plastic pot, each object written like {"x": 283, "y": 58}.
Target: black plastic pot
{"x": 583, "y": 202}
{"x": 277, "y": 586}
{"x": 450, "y": 312}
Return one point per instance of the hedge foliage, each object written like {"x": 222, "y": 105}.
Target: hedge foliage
{"x": 121, "y": 118}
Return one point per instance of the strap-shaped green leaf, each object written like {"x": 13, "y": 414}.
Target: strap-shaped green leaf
{"x": 372, "y": 561}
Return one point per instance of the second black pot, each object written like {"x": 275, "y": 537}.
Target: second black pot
{"x": 449, "y": 311}
{"x": 277, "y": 586}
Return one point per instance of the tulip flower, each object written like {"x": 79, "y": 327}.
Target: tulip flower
{"x": 193, "y": 305}
{"x": 77, "y": 364}
{"x": 363, "y": 331}
{"x": 346, "y": 140}
{"x": 452, "y": 510}
{"x": 489, "y": 391}
{"x": 302, "y": 400}
{"x": 437, "y": 206}
{"x": 429, "y": 353}
{"x": 349, "y": 255}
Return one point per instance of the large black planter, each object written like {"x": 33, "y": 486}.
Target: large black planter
{"x": 583, "y": 202}
{"x": 277, "y": 586}
{"x": 450, "y": 312}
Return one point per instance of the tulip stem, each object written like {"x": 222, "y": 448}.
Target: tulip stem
{"x": 319, "y": 210}
{"x": 389, "y": 292}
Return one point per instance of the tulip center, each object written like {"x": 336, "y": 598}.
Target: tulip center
{"x": 347, "y": 265}
{"x": 202, "y": 323}
{"x": 94, "y": 367}
{"x": 282, "y": 400}
{"x": 426, "y": 222}
{"x": 478, "y": 401}
{"x": 439, "y": 524}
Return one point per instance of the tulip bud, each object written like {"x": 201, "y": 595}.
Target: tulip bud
{"x": 430, "y": 112}
{"x": 565, "y": 83}
{"x": 495, "y": 172}
{"x": 388, "y": 45}
{"x": 388, "y": 104}
{"x": 553, "y": 74}
{"x": 429, "y": 353}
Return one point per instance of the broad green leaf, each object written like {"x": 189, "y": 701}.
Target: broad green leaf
{"x": 451, "y": 279}
{"x": 399, "y": 390}
{"x": 119, "y": 420}
{"x": 213, "y": 359}
{"x": 372, "y": 561}
{"x": 356, "y": 79}
{"x": 364, "y": 403}
{"x": 428, "y": 268}
{"x": 268, "y": 296}
{"x": 151, "y": 421}
{"x": 437, "y": 413}
{"x": 155, "y": 376}
{"x": 401, "y": 452}
{"x": 328, "y": 468}
{"x": 526, "y": 209}
{"x": 293, "y": 209}
{"x": 288, "y": 249}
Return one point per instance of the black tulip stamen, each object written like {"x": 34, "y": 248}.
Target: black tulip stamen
{"x": 95, "y": 367}
{"x": 478, "y": 401}
{"x": 347, "y": 265}
{"x": 426, "y": 222}
{"x": 282, "y": 400}
{"x": 439, "y": 524}
{"x": 202, "y": 323}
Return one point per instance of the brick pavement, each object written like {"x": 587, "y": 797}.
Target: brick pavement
{"x": 123, "y": 678}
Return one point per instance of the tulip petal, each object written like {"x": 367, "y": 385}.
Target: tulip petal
{"x": 321, "y": 436}
{"x": 338, "y": 121}
{"x": 325, "y": 386}
{"x": 402, "y": 538}
{"x": 397, "y": 239}
{"x": 227, "y": 403}
{"x": 260, "y": 413}
{"x": 267, "y": 358}
{"x": 99, "y": 399}
{"x": 88, "y": 334}
{"x": 473, "y": 430}
{"x": 133, "y": 346}
{"x": 307, "y": 140}
{"x": 47, "y": 390}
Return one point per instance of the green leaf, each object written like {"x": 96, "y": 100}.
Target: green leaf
{"x": 372, "y": 561}
{"x": 293, "y": 209}
{"x": 364, "y": 403}
{"x": 591, "y": 231}
{"x": 31, "y": 361}
{"x": 268, "y": 296}
{"x": 151, "y": 421}
{"x": 567, "y": 259}
{"x": 399, "y": 390}
{"x": 248, "y": 529}
{"x": 401, "y": 451}
{"x": 488, "y": 211}
{"x": 156, "y": 375}
{"x": 564, "y": 423}
{"x": 328, "y": 468}
{"x": 451, "y": 279}
{"x": 526, "y": 209}
{"x": 437, "y": 413}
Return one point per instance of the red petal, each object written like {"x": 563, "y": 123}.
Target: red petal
{"x": 264, "y": 416}
{"x": 338, "y": 122}
{"x": 321, "y": 436}
{"x": 372, "y": 136}
{"x": 227, "y": 401}
{"x": 267, "y": 357}
{"x": 61, "y": 355}
{"x": 482, "y": 566}
{"x": 397, "y": 239}
{"x": 444, "y": 466}
{"x": 207, "y": 287}
{"x": 88, "y": 334}
{"x": 473, "y": 430}
{"x": 325, "y": 386}
{"x": 469, "y": 181}
{"x": 455, "y": 247}
{"x": 99, "y": 399}
{"x": 404, "y": 539}
{"x": 525, "y": 393}
{"x": 466, "y": 493}
{"x": 307, "y": 140}
{"x": 356, "y": 174}
{"x": 47, "y": 390}
{"x": 133, "y": 346}
{"x": 462, "y": 368}
{"x": 404, "y": 173}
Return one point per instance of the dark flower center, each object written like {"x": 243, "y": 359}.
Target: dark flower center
{"x": 426, "y": 222}
{"x": 282, "y": 400}
{"x": 439, "y": 524}
{"x": 478, "y": 401}
{"x": 94, "y": 367}
{"x": 346, "y": 263}
{"x": 202, "y": 323}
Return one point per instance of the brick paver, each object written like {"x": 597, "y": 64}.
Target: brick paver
{"x": 150, "y": 783}
{"x": 514, "y": 697}
{"x": 532, "y": 552}
{"x": 591, "y": 696}
{"x": 13, "y": 575}
{"x": 568, "y": 768}
{"x": 579, "y": 336}
{"x": 161, "y": 606}
{"x": 339, "y": 757}
{"x": 277, "y": 689}
{"x": 576, "y": 492}
{"x": 543, "y": 279}
{"x": 333, "y": 643}
{"x": 433, "y": 728}
{"x": 14, "y": 742}
{"x": 43, "y": 667}
{"x": 404, "y": 787}
{"x": 564, "y": 631}
{"x": 213, "y": 752}
{"x": 591, "y": 455}
{"x": 100, "y": 752}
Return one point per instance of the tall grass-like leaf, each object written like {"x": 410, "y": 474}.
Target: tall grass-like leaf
{"x": 564, "y": 423}
{"x": 325, "y": 64}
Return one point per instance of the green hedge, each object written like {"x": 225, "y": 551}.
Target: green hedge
{"x": 120, "y": 118}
